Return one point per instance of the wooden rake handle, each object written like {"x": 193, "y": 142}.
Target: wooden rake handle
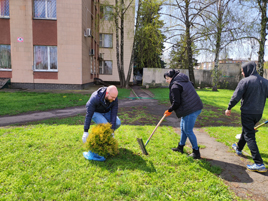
{"x": 155, "y": 129}
{"x": 260, "y": 125}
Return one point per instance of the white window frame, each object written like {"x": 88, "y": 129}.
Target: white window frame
{"x": 102, "y": 35}
{"x": 5, "y": 16}
{"x": 48, "y": 62}
{"x": 46, "y": 11}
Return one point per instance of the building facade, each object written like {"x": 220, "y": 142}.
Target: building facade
{"x": 53, "y": 44}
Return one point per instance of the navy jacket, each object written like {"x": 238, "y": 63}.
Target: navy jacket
{"x": 97, "y": 103}
{"x": 183, "y": 97}
{"x": 251, "y": 90}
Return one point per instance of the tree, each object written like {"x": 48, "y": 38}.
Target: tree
{"x": 148, "y": 36}
{"x": 224, "y": 25}
{"x": 117, "y": 15}
{"x": 178, "y": 58}
{"x": 262, "y": 4}
{"x": 186, "y": 20}
{"x": 220, "y": 27}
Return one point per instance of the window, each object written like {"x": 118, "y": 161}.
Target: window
{"x": 106, "y": 12}
{"x": 45, "y": 9}
{"x": 106, "y": 67}
{"x": 5, "y": 58}
{"x": 4, "y": 8}
{"x": 45, "y": 58}
{"x": 106, "y": 40}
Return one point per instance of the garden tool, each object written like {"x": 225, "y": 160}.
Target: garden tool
{"x": 142, "y": 146}
{"x": 239, "y": 135}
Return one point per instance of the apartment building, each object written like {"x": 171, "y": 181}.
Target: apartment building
{"x": 55, "y": 44}
{"x": 108, "y": 67}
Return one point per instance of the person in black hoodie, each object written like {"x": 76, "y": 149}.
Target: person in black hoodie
{"x": 187, "y": 105}
{"x": 252, "y": 91}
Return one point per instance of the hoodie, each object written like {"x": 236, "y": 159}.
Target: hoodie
{"x": 251, "y": 90}
{"x": 188, "y": 100}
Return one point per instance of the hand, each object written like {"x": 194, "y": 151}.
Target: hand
{"x": 167, "y": 113}
{"x": 84, "y": 138}
{"x": 227, "y": 112}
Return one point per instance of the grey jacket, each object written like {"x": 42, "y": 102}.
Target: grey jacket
{"x": 251, "y": 90}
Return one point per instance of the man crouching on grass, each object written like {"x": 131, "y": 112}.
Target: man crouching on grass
{"x": 102, "y": 107}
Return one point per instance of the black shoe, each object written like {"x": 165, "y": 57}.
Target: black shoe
{"x": 179, "y": 148}
{"x": 195, "y": 154}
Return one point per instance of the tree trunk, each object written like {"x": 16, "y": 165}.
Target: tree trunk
{"x": 216, "y": 73}
{"x": 132, "y": 52}
{"x": 189, "y": 44}
{"x": 117, "y": 44}
{"x": 262, "y": 5}
{"x": 122, "y": 44}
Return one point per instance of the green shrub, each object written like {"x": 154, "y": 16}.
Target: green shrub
{"x": 101, "y": 141}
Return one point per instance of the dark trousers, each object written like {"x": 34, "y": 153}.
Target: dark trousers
{"x": 248, "y": 136}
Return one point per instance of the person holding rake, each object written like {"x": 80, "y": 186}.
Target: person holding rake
{"x": 187, "y": 105}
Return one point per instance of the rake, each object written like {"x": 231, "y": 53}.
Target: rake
{"x": 142, "y": 146}
{"x": 239, "y": 135}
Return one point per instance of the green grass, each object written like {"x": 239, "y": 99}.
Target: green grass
{"x": 45, "y": 162}
{"x": 12, "y": 103}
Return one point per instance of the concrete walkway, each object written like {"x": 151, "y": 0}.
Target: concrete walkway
{"x": 37, "y": 116}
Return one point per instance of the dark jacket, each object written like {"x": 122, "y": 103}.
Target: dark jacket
{"x": 183, "y": 97}
{"x": 97, "y": 103}
{"x": 251, "y": 90}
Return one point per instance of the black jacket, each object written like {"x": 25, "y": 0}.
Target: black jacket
{"x": 183, "y": 97}
{"x": 97, "y": 103}
{"x": 251, "y": 90}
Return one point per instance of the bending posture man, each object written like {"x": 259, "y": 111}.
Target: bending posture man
{"x": 252, "y": 91}
{"x": 102, "y": 107}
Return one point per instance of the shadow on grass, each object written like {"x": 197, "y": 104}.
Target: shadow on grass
{"x": 125, "y": 160}
{"x": 230, "y": 172}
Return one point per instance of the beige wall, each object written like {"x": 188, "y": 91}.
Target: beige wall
{"x": 69, "y": 42}
{"x": 110, "y": 54}
{"x": 21, "y": 52}
{"x": 69, "y": 20}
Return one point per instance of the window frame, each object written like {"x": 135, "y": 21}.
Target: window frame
{"x": 46, "y": 11}
{"x": 7, "y": 69}
{"x": 101, "y": 67}
{"x": 48, "y": 60}
{"x": 6, "y": 16}
{"x": 102, "y": 39}
{"x": 105, "y": 14}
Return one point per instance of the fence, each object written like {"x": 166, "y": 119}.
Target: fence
{"x": 230, "y": 75}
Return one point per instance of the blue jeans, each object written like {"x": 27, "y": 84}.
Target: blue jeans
{"x": 104, "y": 118}
{"x": 187, "y": 125}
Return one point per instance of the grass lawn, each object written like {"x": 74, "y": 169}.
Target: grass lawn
{"x": 12, "y": 103}
{"x": 224, "y": 134}
{"x": 45, "y": 162}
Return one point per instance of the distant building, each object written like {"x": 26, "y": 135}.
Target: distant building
{"x": 59, "y": 44}
{"x": 210, "y": 65}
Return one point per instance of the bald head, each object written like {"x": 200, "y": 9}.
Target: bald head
{"x": 111, "y": 93}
